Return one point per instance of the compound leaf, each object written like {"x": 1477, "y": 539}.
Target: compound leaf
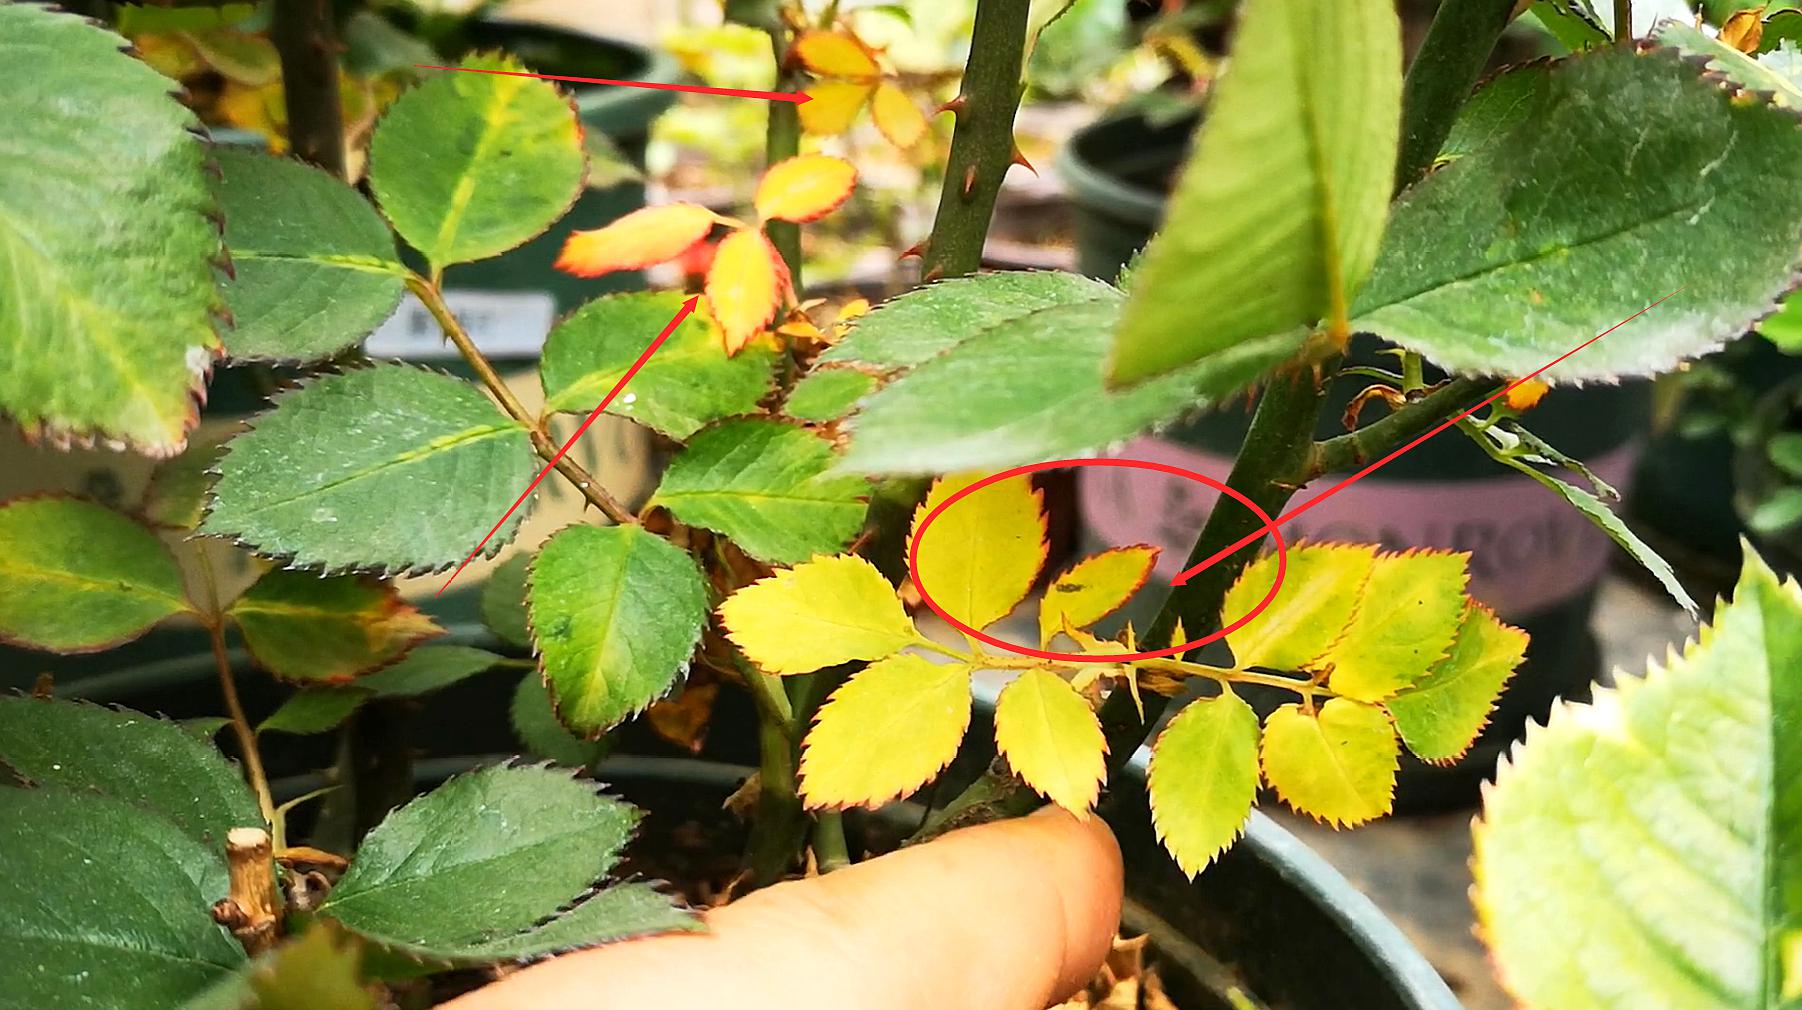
{"x": 885, "y": 732}
{"x": 828, "y": 611}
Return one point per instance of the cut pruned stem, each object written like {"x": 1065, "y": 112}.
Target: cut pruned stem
{"x": 252, "y": 908}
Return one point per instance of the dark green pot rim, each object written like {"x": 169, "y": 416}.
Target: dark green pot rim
{"x": 1092, "y": 185}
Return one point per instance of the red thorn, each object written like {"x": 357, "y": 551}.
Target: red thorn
{"x": 954, "y": 106}
{"x": 915, "y": 251}
{"x": 969, "y": 180}
{"x": 1020, "y": 160}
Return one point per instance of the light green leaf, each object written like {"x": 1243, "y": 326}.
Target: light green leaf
{"x": 1785, "y": 452}
{"x": 827, "y": 394}
{"x": 1645, "y": 850}
{"x": 1729, "y": 62}
{"x": 528, "y": 841}
{"x": 108, "y": 326}
{"x": 321, "y": 478}
{"x": 301, "y": 627}
{"x": 428, "y": 668}
{"x": 616, "y": 612}
{"x": 1336, "y": 765}
{"x": 1312, "y": 607}
{"x": 1440, "y": 716}
{"x": 139, "y": 759}
{"x": 1635, "y": 176}
{"x": 765, "y": 484}
{"x": 1574, "y": 23}
{"x": 828, "y": 611}
{"x": 1598, "y": 512}
{"x": 469, "y": 165}
{"x": 1277, "y": 217}
{"x": 1407, "y": 616}
{"x": 79, "y": 577}
{"x": 535, "y": 722}
{"x": 688, "y": 383}
{"x": 1031, "y": 389}
{"x": 504, "y": 601}
{"x": 1204, "y": 779}
{"x": 895, "y": 724}
{"x": 918, "y": 326}
{"x": 319, "y": 971}
{"x": 107, "y": 905}
{"x": 1777, "y": 513}
{"x": 315, "y": 710}
{"x": 314, "y": 266}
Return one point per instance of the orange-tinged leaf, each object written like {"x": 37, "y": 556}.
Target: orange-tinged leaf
{"x": 744, "y": 286}
{"x": 805, "y": 187}
{"x": 641, "y": 238}
{"x": 891, "y": 727}
{"x": 1094, "y": 587}
{"x": 1744, "y": 30}
{"x": 1052, "y": 739}
{"x": 896, "y": 115}
{"x": 833, "y": 106}
{"x": 1527, "y": 394}
{"x": 834, "y": 54}
{"x": 979, "y": 558}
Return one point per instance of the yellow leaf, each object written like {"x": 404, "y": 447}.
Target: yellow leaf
{"x": 1337, "y": 766}
{"x": 805, "y": 187}
{"x": 828, "y": 611}
{"x": 744, "y": 286}
{"x": 1405, "y": 621}
{"x": 1094, "y": 587}
{"x": 891, "y": 727}
{"x": 1441, "y": 715}
{"x": 833, "y": 106}
{"x": 641, "y": 238}
{"x": 896, "y": 115}
{"x": 1051, "y": 738}
{"x": 1744, "y": 30}
{"x": 979, "y": 558}
{"x": 1311, "y": 608}
{"x": 834, "y": 54}
{"x": 1204, "y": 779}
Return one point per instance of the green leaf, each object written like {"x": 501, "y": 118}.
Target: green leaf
{"x": 301, "y": 627}
{"x": 1785, "y": 452}
{"x": 176, "y": 494}
{"x": 143, "y": 19}
{"x": 1732, "y": 64}
{"x": 390, "y": 468}
{"x": 314, "y": 266}
{"x": 608, "y": 166}
{"x": 1777, "y": 513}
{"x": 828, "y": 611}
{"x": 1496, "y": 109}
{"x": 918, "y": 326}
{"x": 1574, "y": 23}
{"x": 1319, "y": 593}
{"x": 107, "y": 905}
{"x": 1645, "y": 850}
{"x": 1031, "y": 389}
{"x": 535, "y": 723}
{"x": 1336, "y": 765}
{"x": 152, "y": 763}
{"x": 765, "y": 484}
{"x": 376, "y": 47}
{"x": 428, "y": 668}
{"x": 1277, "y": 217}
{"x": 620, "y": 912}
{"x": 318, "y": 971}
{"x": 469, "y": 165}
{"x": 688, "y": 383}
{"x": 1440, "y": 716}
{"x": 1204, "y": 779}
{"x": 1598, "y": 512}
{"x": 1408, "y": 614}
{"x": 1585, "y": 214}
{"x": 79, "y": 577}
{"x": 616, "y": 612}
{"x": 315, "y": 710}
{"x": 108, "y": 329}
{"x": 895, "y": 724}
{"x": 504, "y": 601}
{"x": 827, "y": 394}
{"x": 524, "y": 843}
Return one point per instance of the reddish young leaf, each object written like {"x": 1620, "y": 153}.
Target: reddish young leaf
{"x": 745, "y": 286}
{"x": 805, "y": 188}
{"x": 641, "y": 238}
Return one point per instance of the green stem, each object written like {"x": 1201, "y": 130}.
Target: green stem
{"x": 1358, "y": 448}
{"x": 829, "y": 848}
{"x": 982, "y": 147}
{"x": 306, "y": 40}
{"x": 1445, "y": 70}
{"x": 779, "y": 828}
{"x": 782, "y": 140}
{"x": 214, "y": 621}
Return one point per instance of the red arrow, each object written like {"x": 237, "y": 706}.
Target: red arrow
{"x": 797, "y": 97}
{"x": 1188, "y": 573}
{"x": 687, "y": 307}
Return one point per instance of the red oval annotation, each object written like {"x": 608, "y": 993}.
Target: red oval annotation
{"x": 913, "y": 560}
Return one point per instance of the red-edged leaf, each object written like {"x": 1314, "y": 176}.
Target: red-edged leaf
{"x": 638, "y": 240}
